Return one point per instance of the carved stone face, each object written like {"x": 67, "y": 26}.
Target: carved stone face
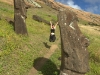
{"x": 75, "y": 57}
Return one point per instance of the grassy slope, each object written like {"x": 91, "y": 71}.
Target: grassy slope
{"x": 17, "y": 52}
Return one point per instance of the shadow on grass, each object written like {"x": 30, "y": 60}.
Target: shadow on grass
{"x": 46, "y": 45}
{"x": 45, "y": 66}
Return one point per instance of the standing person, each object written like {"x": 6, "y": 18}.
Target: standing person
{"x": 52, "y": 37}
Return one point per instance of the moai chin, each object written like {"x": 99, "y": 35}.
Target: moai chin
{"x": 74, "y": 55}
{"x": 20, "y": 9}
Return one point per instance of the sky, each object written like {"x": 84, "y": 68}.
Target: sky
{"x": 92, "y": 6}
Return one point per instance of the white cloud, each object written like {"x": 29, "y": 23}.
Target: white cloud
{"x": 93, "y": 9}
{"x": 70, "y": 3}
{"x": 90, "y": 6}
{"x": 93, "y": 6}
{"x": 92, "y": 1}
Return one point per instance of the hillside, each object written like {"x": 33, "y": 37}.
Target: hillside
{"x": 8, "y": 1}
{"x": 20, "y": 55}
{"x": 86, "y": 16}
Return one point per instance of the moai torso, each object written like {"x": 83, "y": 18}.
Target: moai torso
{"x": 74, "y": 60}
{"x": 20, "y": 10}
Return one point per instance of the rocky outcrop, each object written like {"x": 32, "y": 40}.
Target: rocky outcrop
{"x": 8, "y": 19}
{"x": 75, "y": 57}
{"x": 50, "y": 3}
{"x": 33, "y": 3}
{"x": 39, "y": 19}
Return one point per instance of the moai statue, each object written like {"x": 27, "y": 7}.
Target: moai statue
{"x": 20, "y": 9}
{"x": 74, "y": 55}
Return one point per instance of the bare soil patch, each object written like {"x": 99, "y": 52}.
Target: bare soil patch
{"x": 8, "y": 1}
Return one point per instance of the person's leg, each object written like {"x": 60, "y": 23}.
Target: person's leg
{"x": 54, "y": 38}
{"x": 51, "y": 38}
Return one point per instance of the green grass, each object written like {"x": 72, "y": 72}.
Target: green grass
{"x": 17, "y": 52}
{"x": 6, "y": 10}
{"x": 83, "y": 22}
{"x": 52, "y": 66}
{"x": 94, "y": 51}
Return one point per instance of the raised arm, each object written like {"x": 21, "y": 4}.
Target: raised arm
{"x": 51, "y": 24}
{"x": 56, "y": 24}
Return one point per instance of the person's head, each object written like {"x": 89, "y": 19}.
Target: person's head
{"x": 53, "y": 26}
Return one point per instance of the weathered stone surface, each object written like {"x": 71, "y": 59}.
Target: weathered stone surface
{"x": 20, "y": 9}
{"x": 9, "y": 20}
{"x": 75, "y": 57}
{"x": 51, "y": 3}
{"x": 33, "y": 3}
{"x": 39, "y": 19}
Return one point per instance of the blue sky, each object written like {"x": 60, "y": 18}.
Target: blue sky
{"x": 92, "y": 6}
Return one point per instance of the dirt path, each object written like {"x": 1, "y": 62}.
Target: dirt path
{"x": 41, "y": 62}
